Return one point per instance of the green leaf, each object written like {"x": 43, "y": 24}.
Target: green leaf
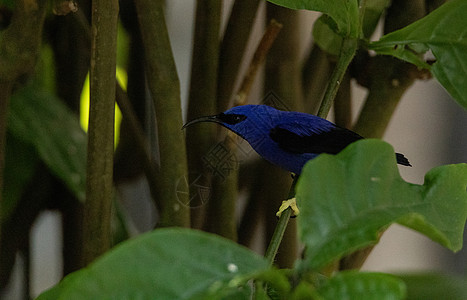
{"x": 40, "y": 119}
{"x": 325, "y": 29}
{"x": 347, "y": 199}
{"x": 432, "y": 286}
{"x": 325, "y": 36}
{"x": 444, "y": 32}
{"x": 344, "y": 13}
{"x": 363, "y": 286}
{"x": 171, "y": 263}
{"x": 373, "y": 11}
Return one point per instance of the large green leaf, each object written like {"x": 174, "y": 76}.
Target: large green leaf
{"x": 171, "y": 263}
{"x": 363, "y": 286}
{"x": 344, "y": 12}
{"x": 433, "y": 286}
{"x": 40, "y": 119}
{"x": 444, "y": 31}
{"x": 347, "y": 199}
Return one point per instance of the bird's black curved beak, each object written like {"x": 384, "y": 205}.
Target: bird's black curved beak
{"x": 214, "y": 119}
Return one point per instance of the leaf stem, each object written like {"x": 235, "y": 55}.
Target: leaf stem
{"x": 347, "y": 52}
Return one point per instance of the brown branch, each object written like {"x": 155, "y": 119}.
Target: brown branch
{"x": 99, "y": 171}
{"x": 258, "y": 58}
{"x": 233, "y": 47}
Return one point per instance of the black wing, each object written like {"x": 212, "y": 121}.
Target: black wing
{"x": 331, "y": 142}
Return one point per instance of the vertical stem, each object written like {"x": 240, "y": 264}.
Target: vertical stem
{"x": 5, "y": 92}
{"x": 348, "y": 49}
{"x": 164, "y": 87}
{"x": 141, "y": 144}
{"x": 231, "y": 53}
{"x": 389, "y": 79}
{"x": 386, "y": 88}
{"x": 97, "y": 208}
{"x": 220, "y": 218}
{"x": 221, "y": 213}
{"x": 202, "y": 98}
{"x": 315, "y": 76}
{"x": 343, "y": 103}
{"x": 385, "y": 92}
{"x": 233, "y": 47}
{"x": 258, "y": 58}
{"x": 283, "y": 78}
{"x": 279, "y": 231}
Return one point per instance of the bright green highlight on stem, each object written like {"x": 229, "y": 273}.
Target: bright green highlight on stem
{"x": 122, "y": 79}
{"x": 346, "y": 200}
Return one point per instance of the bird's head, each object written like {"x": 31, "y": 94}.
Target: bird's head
{"x": 240, "y": 119}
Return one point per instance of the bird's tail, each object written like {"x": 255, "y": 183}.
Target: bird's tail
{"x": 402, "y": 160}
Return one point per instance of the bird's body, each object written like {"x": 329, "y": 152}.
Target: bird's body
{"x": 287, "y": 139}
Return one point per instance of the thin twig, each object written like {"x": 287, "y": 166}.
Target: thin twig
{"x": 258, "y": 58}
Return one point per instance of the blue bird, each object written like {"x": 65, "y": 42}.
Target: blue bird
{"x": 284, "y": 138}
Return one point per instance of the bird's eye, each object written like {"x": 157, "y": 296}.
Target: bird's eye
{"x": 232, "y": 119}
